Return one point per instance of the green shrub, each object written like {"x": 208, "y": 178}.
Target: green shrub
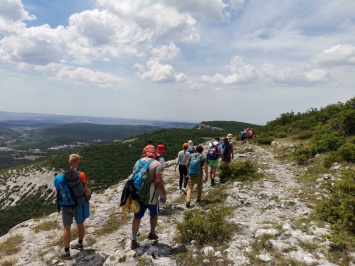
{"x": 330, "y": 158}
{"x": 206, "y": 227}
{"x": 306, "y": 134}
{"x": 301, "y": 154}
{"x": 339, "y": 208}
{"x": 280, "y": 134}
{"x": 325, "y": 139}
{"x": 264, "y": 140}
{"x": 347, "y": 150}
{"x": 239, "y": 170}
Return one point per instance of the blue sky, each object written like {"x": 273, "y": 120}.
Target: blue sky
{"x": 192, "y": 61}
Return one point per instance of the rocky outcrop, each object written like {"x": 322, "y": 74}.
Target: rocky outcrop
{"x": 267, "y": 211}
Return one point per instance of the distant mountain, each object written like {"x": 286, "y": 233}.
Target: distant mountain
{"x": 12, "y": 119}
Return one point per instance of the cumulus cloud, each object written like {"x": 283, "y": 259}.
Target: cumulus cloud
{"x": 336, "y": 55}
{"x": 240, "y": 73}
{"x": 87, "y": 76}
{"x": 13, "y": 11}
{"x": 158, "y": 73}
{"x": 37, "y": 46}
{"x": 165, "y": 52}
{"x": 12, "y": 15}
{"x": 295, "y": 76}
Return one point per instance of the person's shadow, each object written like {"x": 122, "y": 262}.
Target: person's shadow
{"x": 88, "y": 257}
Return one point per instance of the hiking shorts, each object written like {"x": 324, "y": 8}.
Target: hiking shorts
{"x": 68, "y": 213}
{"x": 214, "y": 162}
{"x": 153, "y": 209}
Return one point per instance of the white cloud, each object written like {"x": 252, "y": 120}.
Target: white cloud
{"x": 296, "y": 76}
{"x": 337, "y": 55}
{"x": 36, "y": 45}
{"x": 240, "y": 73}
{"x": 159, "y": 73}
{"x": 165, "y": 52}
{"x": 13, "y": 11}
{"x": 86, "y": 76}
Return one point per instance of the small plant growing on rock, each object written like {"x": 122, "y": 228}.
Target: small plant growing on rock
{"x": 46, "y": 226}
{"x": 206, "y": 227}
{"x": 11, "y": 245}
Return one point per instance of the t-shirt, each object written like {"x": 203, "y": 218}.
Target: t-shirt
{"x": 182, "y": 157}
{"x": 219, "y": 147}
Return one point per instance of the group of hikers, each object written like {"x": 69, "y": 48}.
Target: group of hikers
{"x": 246, "y": 135}
{"x": 146, "y": 185}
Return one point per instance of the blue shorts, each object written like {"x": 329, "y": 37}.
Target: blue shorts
{"x": 153, "y": 209}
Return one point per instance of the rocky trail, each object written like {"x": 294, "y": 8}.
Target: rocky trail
{"x": 268, "y": 212}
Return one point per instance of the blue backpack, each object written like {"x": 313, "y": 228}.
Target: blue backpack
{"x": 191, "y": 149}
{"x": 65, "y": 197}
{"x": 195, "y": 165}
{"x": 212, "y": 152}
{"x": 141, "y": 180}
{"x": 70, "y": 189}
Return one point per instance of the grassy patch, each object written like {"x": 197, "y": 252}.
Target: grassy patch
{"x": 10, "y": 262}
{"x": 46, "y": 226}
{"x": 113, "y": 223}
{"x": 11, "y": 245}
{"x": 191, "y": 258}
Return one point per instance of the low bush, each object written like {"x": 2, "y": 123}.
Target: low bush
{"x": 302, "y": 154}
{"x": 325, "y": 139}
{"x": 339, "y": 208}
{"x": 347, "y": 150}
{"x": 306, "y": 134}
{"x": 206, "y": 227}
{"x": 330, "y": 158}
{"x": 264, "y": 140}
{"x": 239, "y": 170}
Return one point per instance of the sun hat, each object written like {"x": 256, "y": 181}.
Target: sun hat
{"x": 150, "y": 151}
{"x": 160, "y": 148}
{"x": 185, "y": 145}
{"x": 190, "y": 142}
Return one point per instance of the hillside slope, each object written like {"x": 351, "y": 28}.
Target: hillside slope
{"x": 272, "y": 214}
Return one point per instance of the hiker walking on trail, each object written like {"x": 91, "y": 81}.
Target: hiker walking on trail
{"x": 156, "y": 188}
{"x": 227, "y": 151}
{"x": 250, "y": 135}
{"x": 214, "y": 152}
{"x": 191, "y": 148}
{"x": 195, "y": 164}
{"x": 79, "y": 212}
{"x": 159, "y": 153}
{"x": 243, "y": 136}
{"x": 181, "y": 161}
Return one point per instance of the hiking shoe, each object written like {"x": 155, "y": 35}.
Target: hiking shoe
{"x": 188, "y": 205}
{"x": 65, "y": 255}
{"x": 77, "y": 246}
{"x": 134, "y": 244}
{"x": 212, "y": 182}
{"x": 184, "y": 190}
{"x": 153, "y": 236}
